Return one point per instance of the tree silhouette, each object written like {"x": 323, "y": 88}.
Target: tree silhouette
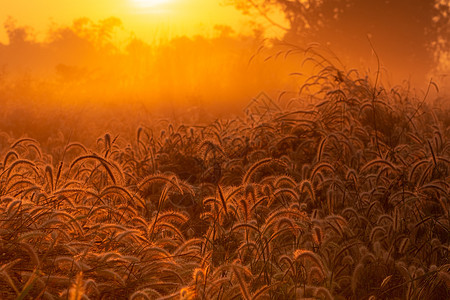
{"x": 405, "y": 33}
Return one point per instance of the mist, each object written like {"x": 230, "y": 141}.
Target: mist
{"x": 91, "y": 71}
{"x": 81, "y": 72}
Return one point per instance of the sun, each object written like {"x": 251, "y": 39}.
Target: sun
{"x": 149, "y": 3}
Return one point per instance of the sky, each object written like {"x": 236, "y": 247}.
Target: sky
{"x": 157, "y": 22}
{"x": 144, "y": 18}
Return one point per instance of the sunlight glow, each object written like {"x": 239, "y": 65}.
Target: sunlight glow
{"x": 149, "y": 3}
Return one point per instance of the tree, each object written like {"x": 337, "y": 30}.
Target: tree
{"x": 407, "y": 34}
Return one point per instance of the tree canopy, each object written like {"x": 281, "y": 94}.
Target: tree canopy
{"x": 405, "y": 33}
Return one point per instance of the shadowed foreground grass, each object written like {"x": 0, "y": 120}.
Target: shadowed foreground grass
{"x": 346, "y": 198}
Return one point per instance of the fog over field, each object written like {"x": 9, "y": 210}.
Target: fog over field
{"x": 263, "y": 149}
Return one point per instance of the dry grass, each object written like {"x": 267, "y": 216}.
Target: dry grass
{"x": 346, "y": 199}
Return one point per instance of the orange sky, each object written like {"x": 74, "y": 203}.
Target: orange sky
{"x": 166, "y": 17}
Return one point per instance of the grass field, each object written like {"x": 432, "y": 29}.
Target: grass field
{"x": 342, "y": 193}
